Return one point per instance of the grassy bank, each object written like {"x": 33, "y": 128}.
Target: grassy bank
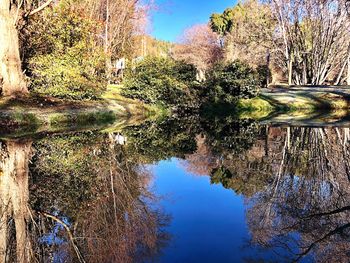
{"x": 36, "y": 113}
{"x": 256, "y": 108}
{"x": 296, "y": 101}
{"x": 133, "y": 107}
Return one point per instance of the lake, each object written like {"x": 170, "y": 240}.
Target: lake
{"x": 187, "y": 189}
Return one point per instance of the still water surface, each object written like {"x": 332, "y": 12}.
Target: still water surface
{"x": 177, "y": 190}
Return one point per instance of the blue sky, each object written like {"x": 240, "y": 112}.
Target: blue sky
{"x": 176, "y": 15}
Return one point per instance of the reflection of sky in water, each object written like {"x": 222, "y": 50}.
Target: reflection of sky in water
{"x": 53, "y": 239}
{"x": 208, "y": 221}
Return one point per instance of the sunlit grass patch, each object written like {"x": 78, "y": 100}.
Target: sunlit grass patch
{"x": 302, "y": 100}
{"x": 254, "y": 104}
{"x": 256, "y": 108}
{"x": 132, "y": 106}
{"x": 295, "y": 105}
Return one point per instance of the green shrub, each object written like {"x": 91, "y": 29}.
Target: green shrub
{"x": 161, "y": 81}
{"x": 66, "y": 76}
{"x": 230, "y": 82}
{"x": 63, "y": 59}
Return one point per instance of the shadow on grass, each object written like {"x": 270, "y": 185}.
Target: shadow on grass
{"x": 311, "y": 92}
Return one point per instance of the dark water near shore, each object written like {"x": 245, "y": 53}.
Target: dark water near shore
{"x": 177, "y": 190}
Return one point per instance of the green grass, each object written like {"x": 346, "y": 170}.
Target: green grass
{"x": 255, "y": 104}
{"x": 133, "y": 107}
{"x": 311, "y": 100}
{"x": 35, "y": 113}
{"x": 294, "y": 104}
{"x": 256, "y": 108}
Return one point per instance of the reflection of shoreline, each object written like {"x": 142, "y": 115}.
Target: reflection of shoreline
{"x": 315, "y": 119}
{"x": 284, "y": 174}
{"x": 65, "y": 124}
{"x": 295, "y": 180}
{"x": 85, "y": 202}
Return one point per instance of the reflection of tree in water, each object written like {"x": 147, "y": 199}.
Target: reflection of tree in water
{"x": 305, "y": 208}
{"x": 202, "y": 161}
{"x": 85, "y": 202}
{"x": 14, "y": 194}
{"x": 229, "y": 136}
{"x": 89, "y": 197}
{"x": 222, "y": 153}
{"x": 154, "y": 141}
{"x": 295, "y": 182}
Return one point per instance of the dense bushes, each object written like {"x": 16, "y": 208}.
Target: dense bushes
{"x": 169, "y": 82}
{"x": 230, "y": 82}
{"x": 63, "y": 57}
{"x": 161, "y": 81}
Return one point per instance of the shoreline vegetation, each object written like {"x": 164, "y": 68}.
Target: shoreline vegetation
{"x": 61, "y": 61}
{"x": 303, "y": 99}
{"x": 36, "y": 114}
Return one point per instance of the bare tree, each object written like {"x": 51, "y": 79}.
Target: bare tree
{"x": 250, "y": 38}
{"x": 315, "y": 42}
{"x": 121, "y": 20}
{"x": 200, "y": 47}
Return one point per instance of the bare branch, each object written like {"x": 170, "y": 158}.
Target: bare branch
{"x": 47, "y": 3}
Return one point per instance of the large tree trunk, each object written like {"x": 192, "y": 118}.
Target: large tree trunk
{"x": 11, "y": 75}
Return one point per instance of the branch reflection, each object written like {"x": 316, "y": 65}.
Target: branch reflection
{"x": 76, "y": 198}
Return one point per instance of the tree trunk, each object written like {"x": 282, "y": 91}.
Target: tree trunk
{"x": 339, "y": 78}
{"x": 290, "y": 71}
{"x": 11, "y": 75}
{"x": 268, "y": 59}
{"x": 348, "y": 77}
{"x": 200, "y": 76}
{"x": 107, "y": 45}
